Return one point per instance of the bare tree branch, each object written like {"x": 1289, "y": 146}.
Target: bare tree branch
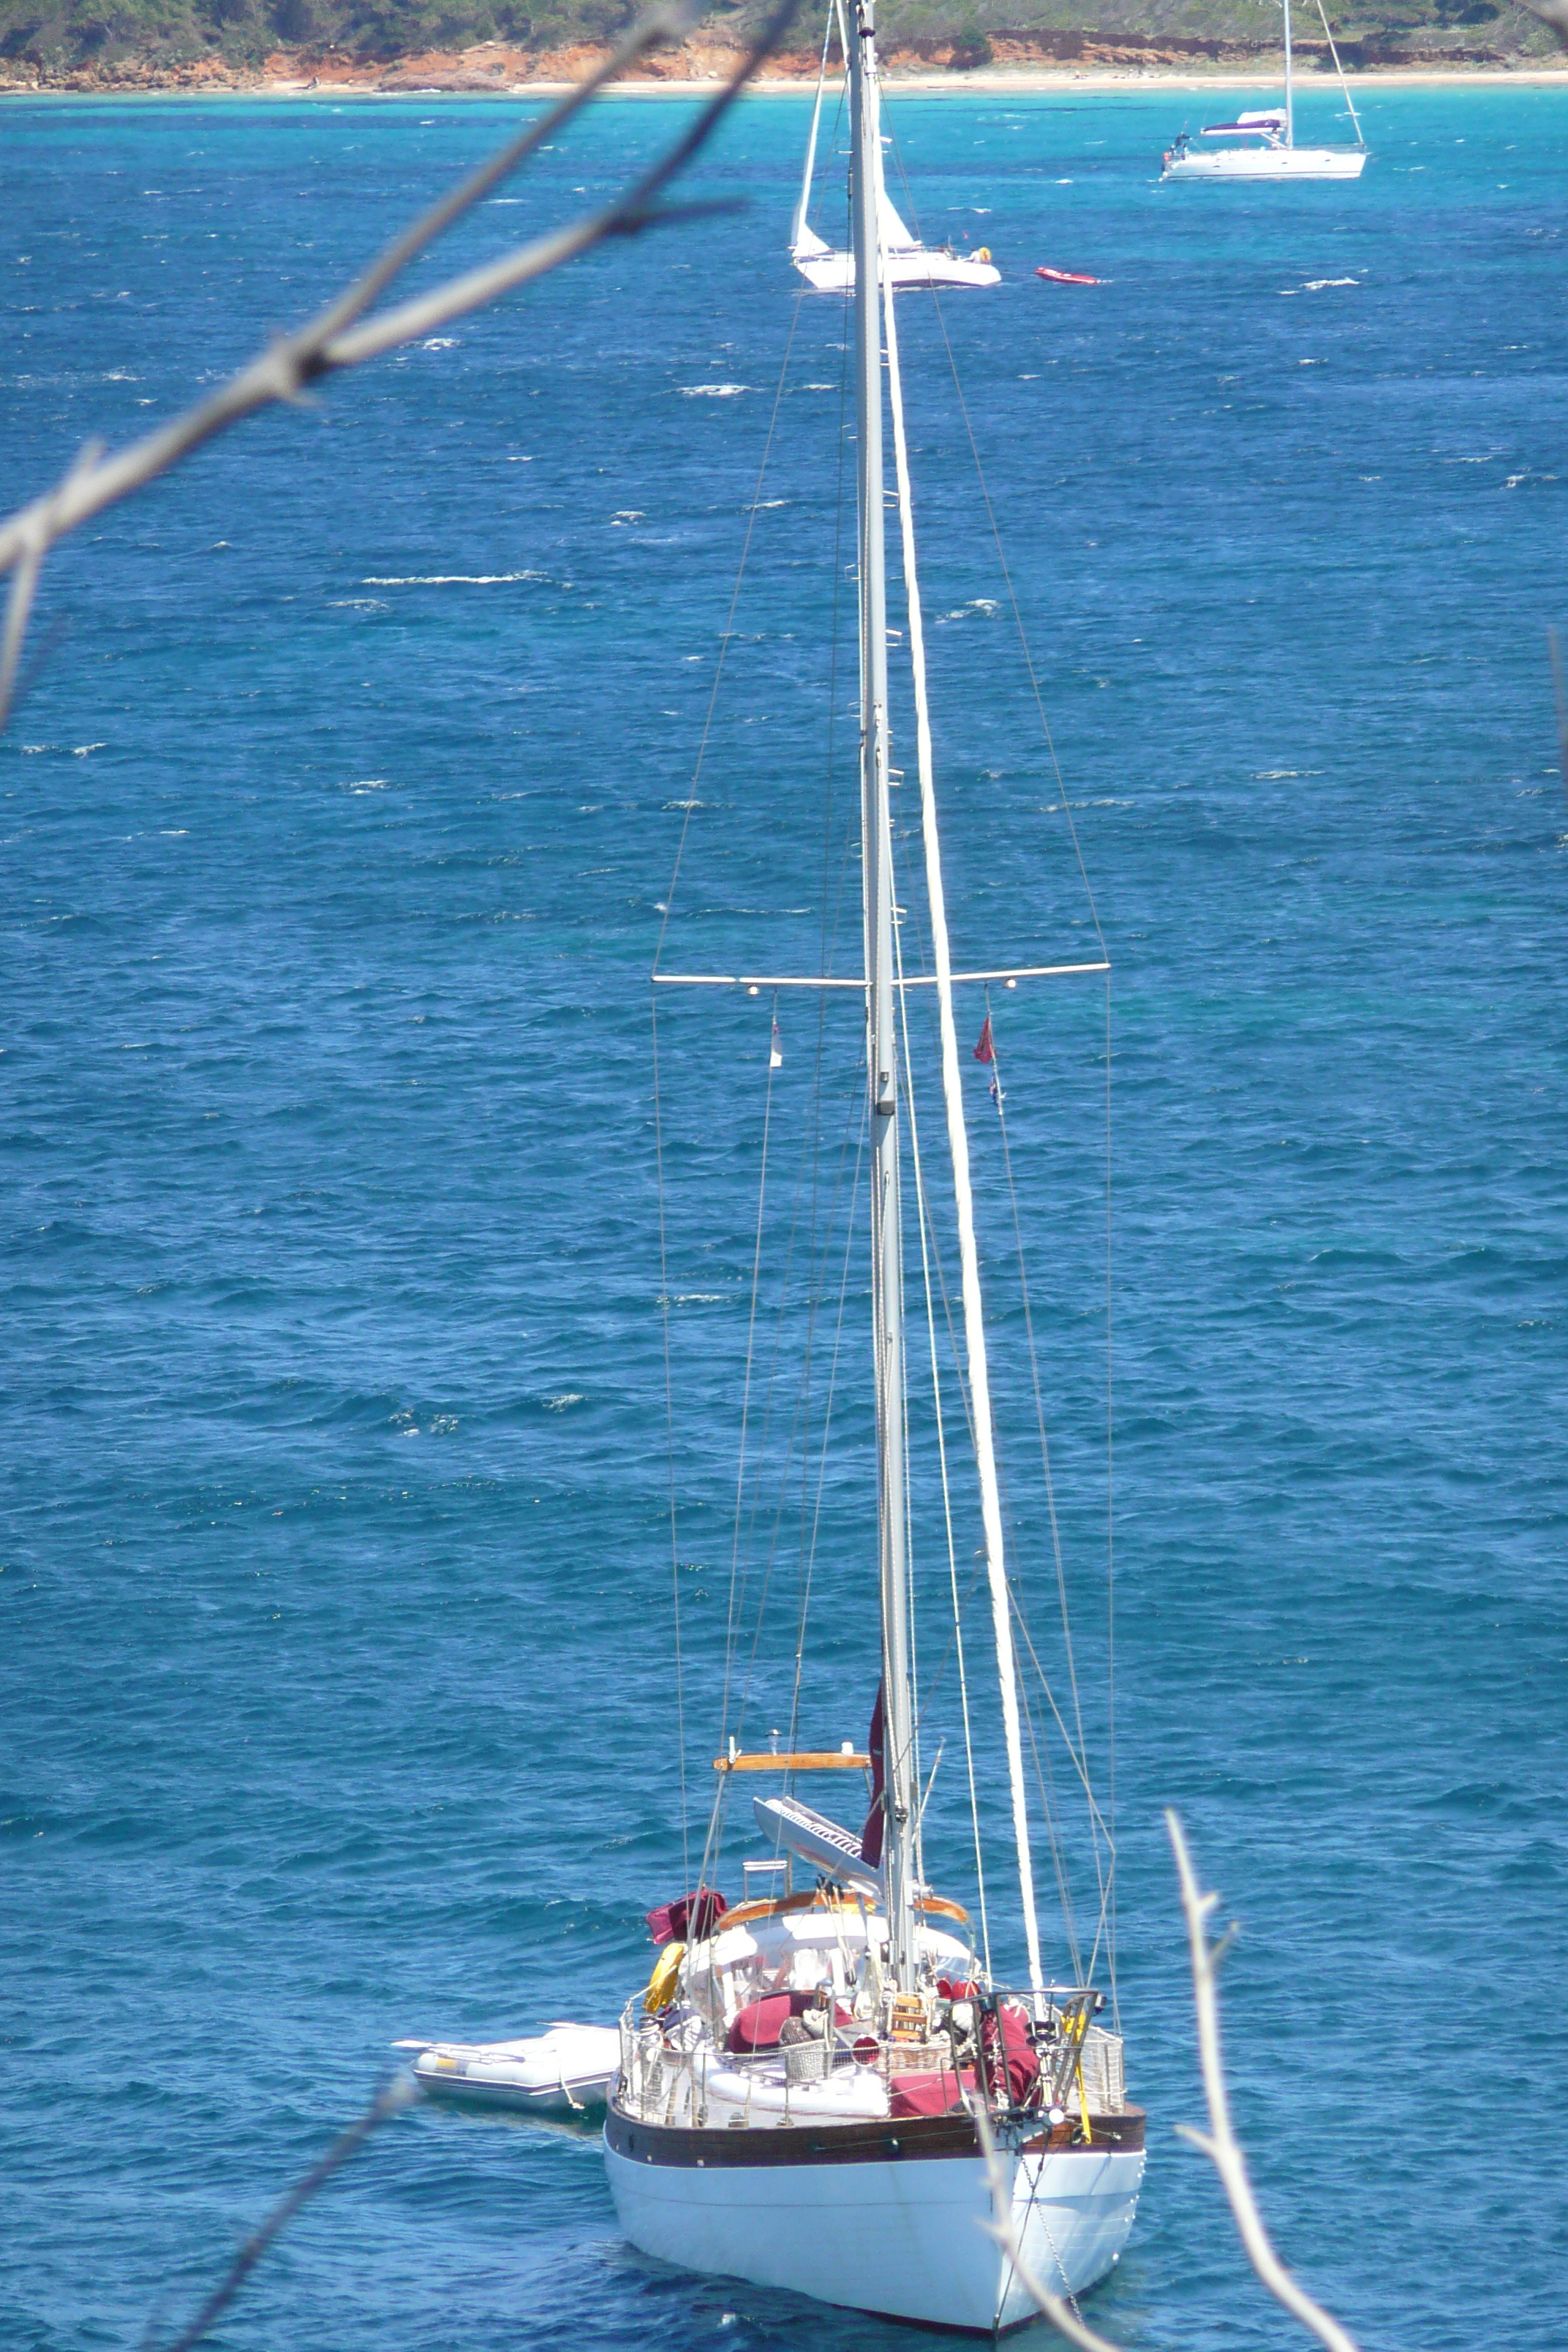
{"x": 389, "y": 2100}
{"x": 665, "y": 23}
{"x": 332, "y": 339}
{"x": 1219, "y": 2144}
{"x": 19, "y": 604}
{"x": 1060, "y": 2312}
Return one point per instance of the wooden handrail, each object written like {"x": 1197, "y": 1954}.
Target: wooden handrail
{"x": 805, "y": 1760}
{"x": 771, "y": 1906}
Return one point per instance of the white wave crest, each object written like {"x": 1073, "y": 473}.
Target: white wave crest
{"x": 451, "y": 579}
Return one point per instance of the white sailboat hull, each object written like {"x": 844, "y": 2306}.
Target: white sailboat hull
{"x": 901, "y": 2239}
{"x": 791, "y": 2105}
{"x": 834, "y": 273}
{"x": 1268, "y": 163}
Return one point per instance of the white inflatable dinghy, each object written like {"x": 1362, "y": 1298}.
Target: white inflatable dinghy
{"x": 565, "y": 2071}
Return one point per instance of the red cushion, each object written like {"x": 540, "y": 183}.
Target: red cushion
{"x": 758, "y": 2025}
{"x": 928, "y": 2094}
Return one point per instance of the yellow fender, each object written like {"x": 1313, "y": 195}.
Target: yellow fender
{"x": 662, "y": 1983}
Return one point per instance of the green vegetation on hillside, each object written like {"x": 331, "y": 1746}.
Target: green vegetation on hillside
{"x": 58, "y": 38}
{"x": 60, "y": 33}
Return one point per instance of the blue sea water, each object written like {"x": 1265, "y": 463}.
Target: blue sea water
{"x": 339, "y": 819}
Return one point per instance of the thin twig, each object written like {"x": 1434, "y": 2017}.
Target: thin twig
{"x": 334, "y": 339}
{"x": 389, "y": 2100}
{"x": 18, "y": 604}
{"x": 1219, "y": 2144}
{"x": 1060, "y": 2314}
{"x": 24, "y": 579}
{"x": 667, "y": 23}
{"x": 288, "y": 364}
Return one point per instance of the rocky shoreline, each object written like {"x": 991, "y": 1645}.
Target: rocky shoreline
{"x": 496, "y": 69}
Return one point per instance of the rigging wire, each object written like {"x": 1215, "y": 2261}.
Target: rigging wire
{"x": 1044, "y": 1780}
{"x": 715, "y": 1829}
{"x": 923, "y": 1218}
{"x": 1018, "y": 625}
{"x": 814, "y": 1296}
{"x": 724, "y": 644}
{"x": 816, "y": 1291}
{"x": 999, "y": 1098}
{"x": 828, "y": 941}
{"x": 974, "y": 1316}
{"x": 802, "y": 1395}
{"x": 669, "y": 1454}
{"x": 1096, "y": 1817}
{"x": 930, "y": 1250}
{"x": 1097, "y": 1823}
{"x": 828, "y": 945}
{"x": 729, "y": 631}
{"x": 1079, "y": 1763}
{"x": 800, "y": 1427}
{"x": 1110, "y": 1530}
{"x": 826, "y": 1425}
{"x": 912, "y": 1639}
{"x": 746, "y": 1407}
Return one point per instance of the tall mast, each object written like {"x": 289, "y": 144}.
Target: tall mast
{"x": 963, "y": 1199}
{"x": 1289, "y": 84}
{"x": 882, "y": 1066}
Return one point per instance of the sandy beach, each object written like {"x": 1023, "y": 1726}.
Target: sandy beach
{"x": 493, "y": 69}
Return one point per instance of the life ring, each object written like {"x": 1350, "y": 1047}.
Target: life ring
{"x": 982, "y": 253}
{"x": 662, "y": 1983}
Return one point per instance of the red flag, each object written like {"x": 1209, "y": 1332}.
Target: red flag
{"x": 876, "y": 1820}
{"x": 986, "y": 1051}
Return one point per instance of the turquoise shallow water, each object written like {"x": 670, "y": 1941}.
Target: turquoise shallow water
{"x": 337, "y": 1673}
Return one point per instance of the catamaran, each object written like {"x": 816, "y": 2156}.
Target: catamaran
{"x": 906, "y": 262}
{"x": 798, "y": 2096}
{"x": 1267, "y": 148}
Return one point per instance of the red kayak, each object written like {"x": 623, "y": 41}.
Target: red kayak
{"x": 1067, "y": 277}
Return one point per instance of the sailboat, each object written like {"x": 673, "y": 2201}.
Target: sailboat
{"x": 1267, "y": 135}
{"x": 796, "y": 2103}
{"x": 905, "y": 260}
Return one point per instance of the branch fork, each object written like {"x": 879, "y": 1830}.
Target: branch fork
{"x": 342, "y": 336}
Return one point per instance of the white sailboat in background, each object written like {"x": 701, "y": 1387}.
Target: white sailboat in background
{"x": 794, "y": 2100}
{"x": 1271, "y": 152}
{"x": 905, "y": 260}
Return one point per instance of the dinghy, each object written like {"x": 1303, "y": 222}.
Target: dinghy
{"x": 1064, "y": 277}
{"x": 565, "y": 2071}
